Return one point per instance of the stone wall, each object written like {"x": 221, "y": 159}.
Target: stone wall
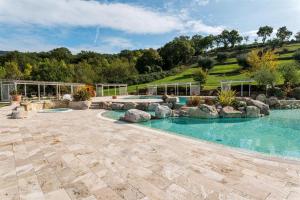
{"x": 36, "y": 106}
{"x": 289, "y": 104}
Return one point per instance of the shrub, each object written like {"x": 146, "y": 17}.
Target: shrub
{"x": 296, "y": 93}
{"x": 193, "y": 101}
{"x": 82, "y": 95}
{"x": 243, "y": 61}
{"x": 226, "y": 98}
{"x": 276, "y": 92}
{"x": 14, "y": 92}
{"x": 221, "y": 57}
{"x": 206, "y": 62}
{"x": 297, "y": 56}
{"x": 200, "y": 76}
{"x": 285, "y": 50}
{"x": 290, "y": 74}
{"x": 265, "y": 77}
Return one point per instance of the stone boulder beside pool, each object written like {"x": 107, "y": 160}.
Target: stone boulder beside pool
{"x": 162, "y": 112}
{"x": 264, "y": 108}
{"x": 203, "y": 111}
{"x": 252, "y": 112}
{"x": 230, "y": 112}
{"x": 136, "y": 116}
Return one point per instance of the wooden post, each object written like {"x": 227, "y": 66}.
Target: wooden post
{"x": 44, "y": 90}
{"x": 39, "y": 92}
{"x": 242, "y": 88}
{"x": 25, "y": 90}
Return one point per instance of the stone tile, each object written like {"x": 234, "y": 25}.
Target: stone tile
{"x": 57, "y": 195}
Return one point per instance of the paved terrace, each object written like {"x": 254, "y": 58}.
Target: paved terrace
{"x": 78, "y": 155}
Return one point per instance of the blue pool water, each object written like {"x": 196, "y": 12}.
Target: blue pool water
{"x": 182, "y": 100}
{"x": 277, "y": 134}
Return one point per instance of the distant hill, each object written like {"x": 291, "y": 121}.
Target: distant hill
{"x": 3, "y": 52}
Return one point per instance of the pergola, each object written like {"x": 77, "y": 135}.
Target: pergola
{"x": 118, "y": 89}
{"x": 226, "y": 85}
{"x": 6, "y": 86}
{"x": 190, "y": 88}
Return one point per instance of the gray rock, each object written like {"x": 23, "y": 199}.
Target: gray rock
{"x": 19, "y": 113}
{"x": 242, "y": 104}
{"x": 152, "y": 106}
{"x": 162, "y": 112}
{"x": 105, "y": 105}
{"x": 273, "y": 102}
{"x": 80, "y": 105}
{"x": 264, "y": 108}
{"x": 203, "y": 111}
{"x": 136, "y": 116}
{"x": 172, "y": 100}
{"x": 129, "y": 105}
{"x": 142, "y": 106}
{"x": 252, "y": 112}
{"x": 170, "y": 105}
{"x": 230, "y": 112}
{"x": 117, "y": 106}
{"x": 261, "y": 97}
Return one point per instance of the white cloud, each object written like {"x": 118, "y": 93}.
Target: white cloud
{"x": 194, "y": 26}
{"x": 201, "y": 2}
{"x": 81, "y": 13}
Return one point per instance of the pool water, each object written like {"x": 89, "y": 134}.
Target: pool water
{"x": 277, "y": 134}
{"x": 182, "y": 100}
{"x": 56, "y": 110}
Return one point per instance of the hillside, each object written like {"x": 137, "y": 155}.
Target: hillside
{"x": 230, "y": 70}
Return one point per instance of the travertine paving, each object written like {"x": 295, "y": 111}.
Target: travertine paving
{"x": 77, "y": 155}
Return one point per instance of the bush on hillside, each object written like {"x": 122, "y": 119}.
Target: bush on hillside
{"x": 206, "y": 62}
{"x": 242, "y": 60}
{"x": 221, "y": 57}
{"x": 276, "y": 92}
{"x": 290, "y": 73}
{"x": 200, "y": 76}
{"x": 265, "y": 77}
{"x": 297, "y": 56}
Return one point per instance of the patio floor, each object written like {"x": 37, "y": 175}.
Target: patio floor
{"x": 77, "y": 155}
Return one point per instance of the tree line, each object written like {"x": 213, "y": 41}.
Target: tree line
{"x": 128, "y": 66}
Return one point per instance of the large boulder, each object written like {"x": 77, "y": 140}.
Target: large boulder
{"x": 129, "y": 105}
{"x": 296, "y": 93}
{"x": 136, "y": 116}
{"x": 203, "y": 111}
{"x": 252, "y": 112}
{"x": 80, "y": 105}
{"x": 273, "y": 102}
{"x": 264, "y": 108}
{"x": 19, "y": 113}
{"x": 261, "y": 97}
{"x": 152, "y": 106}
{"x": 230, "y": 112}
{"x": 117, "y": 106}
{"x": 162, "y": 112}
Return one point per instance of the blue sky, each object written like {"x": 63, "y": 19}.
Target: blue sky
{"x": 108, "y": 26}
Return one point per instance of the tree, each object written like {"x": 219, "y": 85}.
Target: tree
{"x": 224, "y": 38}
{"x": 2, "y": 72}
{"x": 221, "y": 57}
{"x": 234, "y": 38}
{"x": 290, "y": 73}
{"x": 61, "y": 54}
{"x": 283, "y": 34}
{"x": 200, "y": 76}
{"x": 264, "y": 32}
{"x": 242, "y": 60}
{"x": 149, "y": 61}
{"x": 261, "y": 59}
{"x": 297, "y": 36}
{"x": 178, "y": 51}
{"x": 201, "y": 44}
{"x": 246, "y": 38}
{"x": 265, "y": 76}
{"x": 12, "y": 70}
{"x": 206, "y": 62}
{"x": 297, "y": 56}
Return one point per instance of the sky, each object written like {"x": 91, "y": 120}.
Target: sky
{"x": 109, "y": 26}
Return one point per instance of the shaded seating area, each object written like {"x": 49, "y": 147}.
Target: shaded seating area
{"x": 36, "y": 90}
{"x": 177, "y": 89}
{"x": 109, "y": 89}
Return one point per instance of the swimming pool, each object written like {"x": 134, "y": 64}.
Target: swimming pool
{"x": 277, "y": 134}
{"x": 182, "y": 100}
{"x": 55, "y": 110}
